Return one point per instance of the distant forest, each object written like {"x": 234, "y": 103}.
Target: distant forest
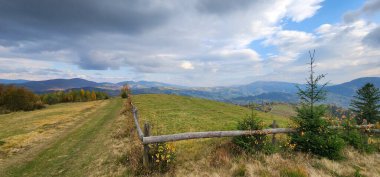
{"x": 14, "y": 98}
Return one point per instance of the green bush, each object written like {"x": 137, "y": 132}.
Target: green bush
{"x": 124, "y": 94}
{"x": 314, "y": 136}
{"x": 251, "y": 143}
{"x": 355, "y": 138}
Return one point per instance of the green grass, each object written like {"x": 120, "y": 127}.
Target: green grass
{"x": 175, "y": 114}
{"x": 73, "y": 154}
{"x": 283, "y": 109}
{"x": 169, "y": 114}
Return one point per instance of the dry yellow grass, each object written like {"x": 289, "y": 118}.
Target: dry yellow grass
{"x": 276, "y": 165}
{"x": 23, "y": 130}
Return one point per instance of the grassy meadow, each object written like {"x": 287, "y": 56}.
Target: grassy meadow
{"x": 170, "y": 114}
{"x": 98, "y": 138}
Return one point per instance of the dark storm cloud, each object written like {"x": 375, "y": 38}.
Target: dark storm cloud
{"x": 223, "y": 6}
{"x": 36, "y": 19}
{"x": 369, "y": 8}
{"x": 373, "y": 38}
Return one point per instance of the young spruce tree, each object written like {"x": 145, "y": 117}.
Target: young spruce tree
{"x": 313, "y": 135}
{"x": 366, "y": 104}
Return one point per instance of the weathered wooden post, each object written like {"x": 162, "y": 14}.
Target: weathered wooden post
{"x": 146, "y": 161}
{"x": 274, "y": 125}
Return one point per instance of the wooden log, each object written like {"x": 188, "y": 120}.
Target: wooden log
{"x": 211, "y": 134}
{"x": 135, "y": 117}
{"x": 146, "y": 158}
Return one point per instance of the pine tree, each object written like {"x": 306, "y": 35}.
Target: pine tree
{"x": 366, "y": 104}
{"x": 313, "y": 134}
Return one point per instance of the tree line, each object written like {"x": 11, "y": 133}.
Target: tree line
{"x": 73, "y": 96}
{"x": 14, "y": 98}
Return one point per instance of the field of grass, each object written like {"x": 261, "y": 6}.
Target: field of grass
{"x": 98, "y": 139}
{"x": 175, "y": 114}
{"x": 212, "y": 157}
{"x": 283, "y": 109}
{"x": 70, "y": 139}
{"x": 169, "y": 114}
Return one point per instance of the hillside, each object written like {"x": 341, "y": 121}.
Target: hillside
{"x": 94, "y": 139}
{"x": 7, "y": 81}
{"x": 176, "y": 114}
{"x": 170, "y": 114}
{"x": 58, "y": 84}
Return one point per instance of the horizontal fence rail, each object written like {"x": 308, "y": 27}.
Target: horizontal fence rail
{"x": 212, "y": 134}
{"x": 147, "y": 139}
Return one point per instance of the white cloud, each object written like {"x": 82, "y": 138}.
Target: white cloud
{"x": 211, "y": 40}
{"x": 187, "y": 65}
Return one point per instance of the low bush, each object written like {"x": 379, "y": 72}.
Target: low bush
{"x": 254, "y": 143}
{"x": 314, "y": 136}
{"x": 251, "y": 143}
{"x": 355, "y": 138}
{"x": 125, "y": 91}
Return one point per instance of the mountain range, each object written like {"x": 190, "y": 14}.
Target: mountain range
{"x": 259, "y": 91}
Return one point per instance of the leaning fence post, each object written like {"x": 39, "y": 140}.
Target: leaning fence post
{"x": 146, "y": 158}
{"x": 274, "y": 125}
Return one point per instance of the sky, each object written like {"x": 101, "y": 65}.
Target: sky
{"x": 191, "y": 43}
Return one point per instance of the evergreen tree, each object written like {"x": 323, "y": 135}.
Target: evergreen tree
{"x": 313, "y": 134}
{"x": 366, "y": 104}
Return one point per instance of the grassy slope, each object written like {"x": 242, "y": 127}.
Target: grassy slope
{"x": 72, "y": 154}
{"x": 170, "y": 114}
{"x": 283, "y": 109}
{"x": 175, "y": 114}
{"x": 208, "y": 157}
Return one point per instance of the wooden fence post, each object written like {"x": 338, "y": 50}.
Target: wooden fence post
{"x": 274, "y": 125}
{"x": 146, "y": 158}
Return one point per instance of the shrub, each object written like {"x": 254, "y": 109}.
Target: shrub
{"x": 125, "y": 91}
{"x": 355, "y": 138}
{"x": 162, "y": 156}
{"x": 250, "y": 143}
{"x": 124, "y": 94}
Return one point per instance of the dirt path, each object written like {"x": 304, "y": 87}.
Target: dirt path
{"x": 73, "y": 154}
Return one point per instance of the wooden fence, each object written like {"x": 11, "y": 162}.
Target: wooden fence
{"x": 147, "y": 139}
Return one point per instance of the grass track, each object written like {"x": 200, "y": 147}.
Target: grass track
{"x": 72, "y": 155}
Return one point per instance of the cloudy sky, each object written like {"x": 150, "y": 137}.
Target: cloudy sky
{"x": 192, "y": 42}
